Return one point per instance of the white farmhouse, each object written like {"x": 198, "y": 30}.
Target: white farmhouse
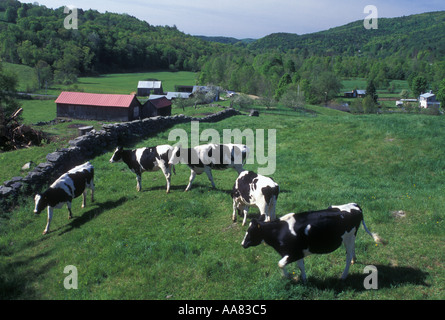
{"x": 428, "y": 100}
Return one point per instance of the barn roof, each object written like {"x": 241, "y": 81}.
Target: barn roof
{"x": 150, "y": 84}
{"x": 427, "y": 95}
{"x": 96, "y": 99}
{"x": 160, "y": 102}
{"x": 171, "y": 95}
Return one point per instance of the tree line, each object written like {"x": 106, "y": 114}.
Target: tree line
{"x": 299, "y": 69}
{"x": 310, "y": 67}
{"x": 35, "y": 36}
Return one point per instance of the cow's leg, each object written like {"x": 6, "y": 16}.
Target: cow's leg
{"x": 264, "y": 208}
{"x": 300, "y": 264}
{"x": 282, "y": 264}
{"x": 349, "y": 241}
{"x": 48, "y": 221}
{"x": 208, "y": 171}
{"x": 271, "y": 208}
{"x": 84, "y": 198}
{"x": 138, "y": 182}
{"x": 245, "y": 211}
{"x": 167, "y": 173}
{"x": 192, "y": 177}
{"x": 235, "y": 209}
{"x": 70, "y": 214}
{"x": 92, "y": 191}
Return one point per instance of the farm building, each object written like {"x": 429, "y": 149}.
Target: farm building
{"x": 355, "y": 93}
{"x": 157, "y": 107}
{"x": 401, "y": 102}
{"x": 428, "y": 100}
{"x": 145, "y": 88}
{"x": 210, "y": 92}
{"x": 93, "y": 106}
{"x": 172, "y": 95}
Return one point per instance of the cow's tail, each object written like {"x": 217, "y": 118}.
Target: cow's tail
{"x": 375, "y": 236}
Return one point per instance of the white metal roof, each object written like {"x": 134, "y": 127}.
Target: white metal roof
{"x": 150, "y": 84}
{"x": 427, "y": 95}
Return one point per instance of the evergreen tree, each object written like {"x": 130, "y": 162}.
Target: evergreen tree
{"x": 419, "y": 85}
{"x": 371, "y": 91}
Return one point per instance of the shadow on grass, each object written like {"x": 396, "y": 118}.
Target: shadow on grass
{"x": 388, "y": 277}
{"x": 16, "y": 276}
{"x": 164, "y": 188}
{"x": 87, "y": 216}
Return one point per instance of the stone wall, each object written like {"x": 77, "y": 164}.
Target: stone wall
{"x": 89, "y": 146}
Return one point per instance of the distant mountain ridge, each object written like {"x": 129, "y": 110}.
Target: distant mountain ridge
{"x": 226, "y": 40}
{"x": 402, "y": 34}
{"x": 406, "y": 35}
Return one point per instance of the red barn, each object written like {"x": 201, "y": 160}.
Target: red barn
{"x": 93, "y": 106}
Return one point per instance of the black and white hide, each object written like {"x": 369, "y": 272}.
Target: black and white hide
{"x": 252, "y": 189}
{"x": 297, "y": 235}
{"x": 68, "y": 186}
{"x": 206, "y": 157}
{"x": 146, "y": 159}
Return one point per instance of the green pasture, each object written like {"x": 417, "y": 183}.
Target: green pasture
{"x": 126, "y": 83}
{"x": 183, "y": 245}
{"x": 26, "y": 76}
{"x": 117, "y": 83}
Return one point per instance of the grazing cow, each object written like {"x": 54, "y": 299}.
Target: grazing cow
{"x": 68, "y": 186}
{"x": 206, "y": 157}
{"x": 252, "y": 189}
{"x": 295, "y": 236}
{"x": 146, "y": 159}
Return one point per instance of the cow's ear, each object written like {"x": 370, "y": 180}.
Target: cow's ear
{"x": 255, "y": 223}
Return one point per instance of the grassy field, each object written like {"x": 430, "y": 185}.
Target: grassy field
{"x": 127, "y": 83}
{"x": 150, "y": 245}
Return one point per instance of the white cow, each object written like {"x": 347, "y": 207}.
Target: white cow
{"x": 68, "y": 186}
{"x": 252, "y": 189}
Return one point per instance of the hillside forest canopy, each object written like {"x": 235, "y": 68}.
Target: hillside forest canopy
{"x": 309, "y": 67}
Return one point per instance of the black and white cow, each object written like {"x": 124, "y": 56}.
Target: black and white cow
{"x": 206, "y": 157}
{"x": 146, "y": 159}
{"x": 295, "y": 236}
{"x": 68, "y": 186}
{"x": 252, "y": 189}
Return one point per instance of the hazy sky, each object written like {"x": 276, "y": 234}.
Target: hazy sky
{"x": 251, "y": 18}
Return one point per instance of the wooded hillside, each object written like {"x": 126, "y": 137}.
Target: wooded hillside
{"x": 400, "y": 49}
{"x": 34, "y": 35}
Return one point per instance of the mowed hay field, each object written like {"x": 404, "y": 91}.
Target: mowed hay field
{"x": 183, "y": 245}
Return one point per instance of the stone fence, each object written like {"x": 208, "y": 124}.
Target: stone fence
{"x": 89, "y": 146}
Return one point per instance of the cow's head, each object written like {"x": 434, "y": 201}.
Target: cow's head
{"x": 174, "y": 156}
{"x": 254, "y": 235}
{"x": 41, "y": 202}
{"x": 117, "y": 155}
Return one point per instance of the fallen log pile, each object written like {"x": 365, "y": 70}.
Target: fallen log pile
{"x": 15, "y": 135}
